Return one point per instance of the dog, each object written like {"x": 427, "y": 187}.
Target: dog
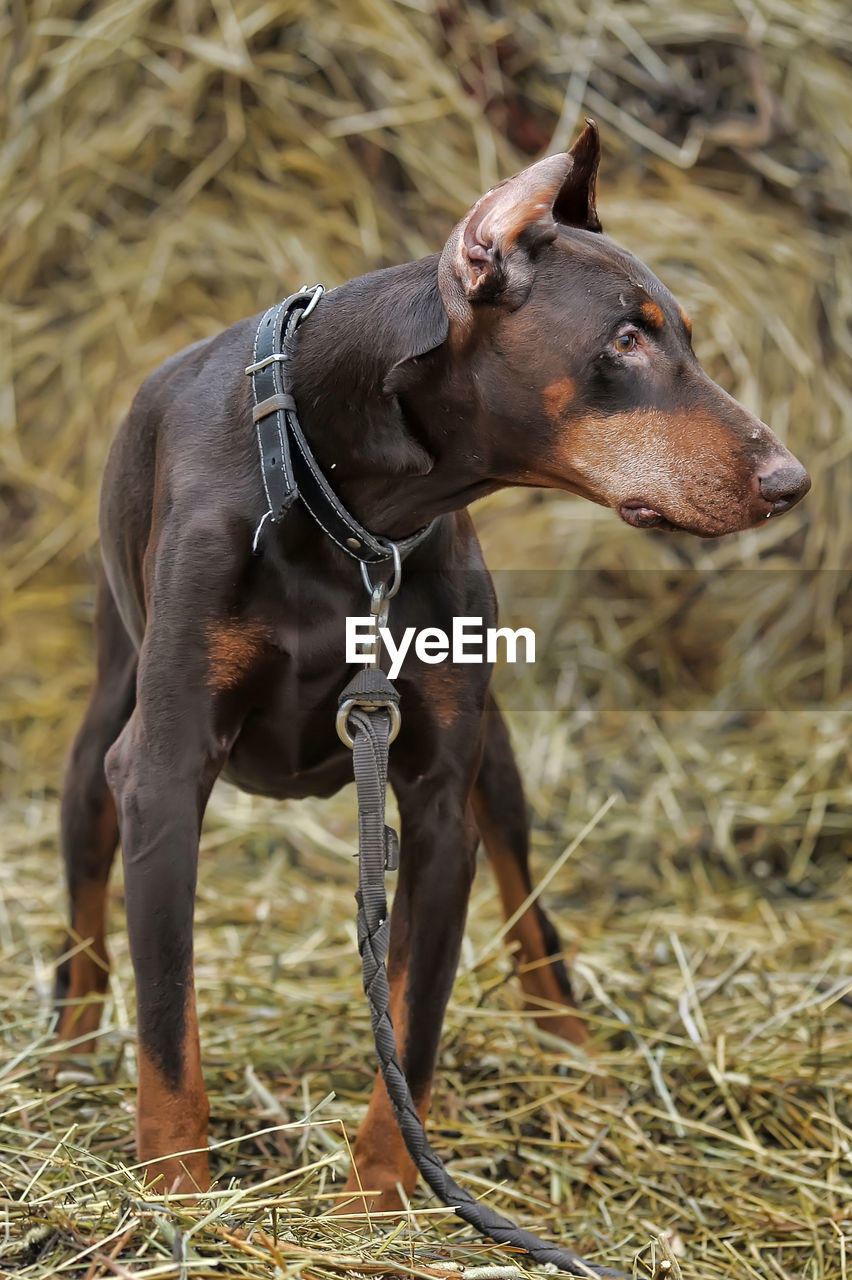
{"x": 531, "y": 351}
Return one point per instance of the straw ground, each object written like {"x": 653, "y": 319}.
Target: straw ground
{"x": 169, "y": 167}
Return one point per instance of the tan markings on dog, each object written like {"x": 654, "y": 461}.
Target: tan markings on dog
{"x": 89, "y": 966}
{"x": 687, "y": 323}
{"x": 688, "y": 465}
{"x": 653, "y": 314}
{"x": 557, "y": 397}
{"x": 233, "y": 648}
{"x": 380, "y": 1158}
{"x": 173, "y": 1120}
{"x": 442, "y": 688}
{"x": 545, "y": 998}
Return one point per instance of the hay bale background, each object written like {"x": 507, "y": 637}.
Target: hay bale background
{"x": 167, "y": 168}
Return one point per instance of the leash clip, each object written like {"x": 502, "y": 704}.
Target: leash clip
{"x": 379, "y": 610}
{"x": 381, "y": 594}
{"x": 371, "y": 690}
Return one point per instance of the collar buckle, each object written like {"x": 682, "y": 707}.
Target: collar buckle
{"x": 288, "y": 466}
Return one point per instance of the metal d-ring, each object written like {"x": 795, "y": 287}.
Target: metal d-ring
{"x": 344, "y": 709}
{"x": 389, "y": 591}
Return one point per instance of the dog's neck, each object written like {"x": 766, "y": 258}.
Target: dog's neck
{"x": 382, "y": 402}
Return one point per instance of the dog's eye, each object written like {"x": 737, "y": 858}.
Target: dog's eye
{"x": 625, "y": 342}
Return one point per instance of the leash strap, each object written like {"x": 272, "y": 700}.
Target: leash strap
{"x": 369, "y": 697}
{"x": 289, "y": 468}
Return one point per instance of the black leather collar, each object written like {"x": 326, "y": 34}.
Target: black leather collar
{"x": 290, "y": 470}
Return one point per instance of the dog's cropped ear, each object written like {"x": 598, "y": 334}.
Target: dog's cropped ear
{"x": 575, "y": 204}
{"x": 489, "y": 253}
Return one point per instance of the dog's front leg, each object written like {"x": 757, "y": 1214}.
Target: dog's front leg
{"x": 161, "y": 770}
{"x": 161, "y": 777}
{"x": 438, "y": 846}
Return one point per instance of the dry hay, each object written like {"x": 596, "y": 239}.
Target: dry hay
{"x": 169, "y": 167}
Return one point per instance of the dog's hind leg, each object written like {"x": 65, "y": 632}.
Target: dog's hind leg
{"x": 501, "y": 816}
{"x": 89, "y": 827}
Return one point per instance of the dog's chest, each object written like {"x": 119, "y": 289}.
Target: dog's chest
{"x": 287, "y": 745}
{"x": 266, "y": 763}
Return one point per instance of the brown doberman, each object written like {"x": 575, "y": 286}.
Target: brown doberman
{"x": 531, "y": 351}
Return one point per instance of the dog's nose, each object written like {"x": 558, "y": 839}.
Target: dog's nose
{"x": 785, "y": 486}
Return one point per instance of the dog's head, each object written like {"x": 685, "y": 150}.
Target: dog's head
{"x": 583, "y": 365}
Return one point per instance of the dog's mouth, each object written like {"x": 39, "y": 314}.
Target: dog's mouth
{"x": 641, "y": 516}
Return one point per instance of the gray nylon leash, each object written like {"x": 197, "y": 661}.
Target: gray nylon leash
{"x": 366, "y": 710}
